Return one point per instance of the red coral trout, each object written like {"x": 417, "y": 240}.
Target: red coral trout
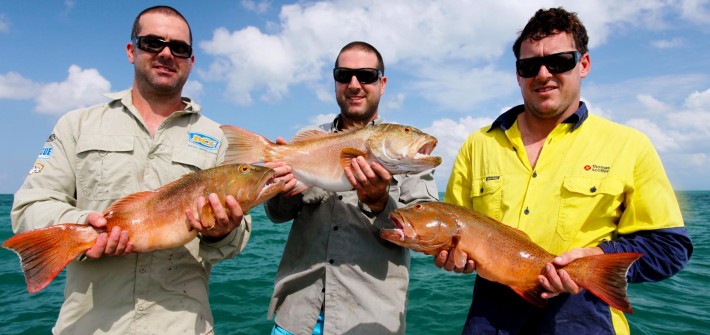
{"x": 504, "y": 254}
{"x": 318, "y": 158}
{"x": 153, "y": 219}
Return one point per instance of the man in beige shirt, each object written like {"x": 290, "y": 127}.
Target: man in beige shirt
{"x": 140, "y": 140}
{"x": 337, "y": 276}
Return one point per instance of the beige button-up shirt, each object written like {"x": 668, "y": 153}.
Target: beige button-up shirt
{"x": 334, "y": 259}
{"x": 95, "y": 156}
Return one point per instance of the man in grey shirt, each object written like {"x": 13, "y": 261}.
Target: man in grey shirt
{"x": 337, "y": 276}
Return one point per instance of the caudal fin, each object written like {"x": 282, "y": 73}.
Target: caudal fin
{"x": 44, "y": 252}
{"x": 605, "y": 276}
{"x": 245, "y": 146}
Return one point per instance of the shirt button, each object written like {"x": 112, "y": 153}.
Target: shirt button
{"x": 140, "y": 307}
{"x": 335, "y": 228}
{"x": 340, "y": 197}
{"x": 526, "y": 211}
{"x": 481, "y": 189}
{"x": 593, "y": 189}
{"x": 323, "y": 290}
{"x": 331, "y": 261}
{"x": 151, "y": 156}
{"x": 534, "y": 174}
{"x": 141, "y": 270}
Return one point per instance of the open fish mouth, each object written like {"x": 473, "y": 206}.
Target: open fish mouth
{"x": 398, "y": 232}
{"x": 270, "y": 188}
{"x": 427, "y": 148}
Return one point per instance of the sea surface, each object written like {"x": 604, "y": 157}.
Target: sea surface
{"x": 240, "y": 288}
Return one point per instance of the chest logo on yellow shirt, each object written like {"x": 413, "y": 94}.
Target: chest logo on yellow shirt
{"x": 597, "y": 168}
{"x": 202, "y": 141}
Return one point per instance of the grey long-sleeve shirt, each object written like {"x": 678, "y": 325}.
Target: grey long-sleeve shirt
{"x": 335, "y": 259}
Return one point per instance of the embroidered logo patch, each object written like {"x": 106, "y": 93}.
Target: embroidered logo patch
{"x": 37, "y": 168}
{"x": 597, "y": 168}
{"x": 202, "y": 141}
{"x": 46, "y": 153}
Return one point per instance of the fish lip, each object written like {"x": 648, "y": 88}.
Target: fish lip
{"x": 428, "y": 147}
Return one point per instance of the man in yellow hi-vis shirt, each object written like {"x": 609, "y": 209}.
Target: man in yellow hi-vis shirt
{"x": 577, "y": 184}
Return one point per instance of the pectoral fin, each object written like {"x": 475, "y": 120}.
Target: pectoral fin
{"x": 348, "y": 154}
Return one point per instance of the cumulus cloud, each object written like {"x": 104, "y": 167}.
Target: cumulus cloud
{"x": 322, "y": 118}
{"x": 15, "y": 86}
{"x": 258, "y": 7}
{"x": 451, "y": 134}
{"x": 668, "y": 44}
{"x": 82, "y": 88}
{"x": 4, "y": 23}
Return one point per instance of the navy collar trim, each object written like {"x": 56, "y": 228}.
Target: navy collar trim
{"x": 507, "y": 119}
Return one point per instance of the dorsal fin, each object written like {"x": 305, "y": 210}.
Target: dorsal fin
{"x": 125, "y": 203}
{"x": 310, "y": 135}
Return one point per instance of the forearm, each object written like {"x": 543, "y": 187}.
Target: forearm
{"x": 665, "y": 252}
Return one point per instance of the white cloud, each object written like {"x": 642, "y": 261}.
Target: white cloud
{"x": 451, "y": 134}
{"x": 322, "y": 118}
{"x": 193, "y": 89}
{"x": 4, "y": 23}
{"x": 258, "y": 7}
{"x": 697, "y": 11}
{"x": 81, "y": 88}
{"x": 15, "y": 86}
{"x": 668, "y": 44}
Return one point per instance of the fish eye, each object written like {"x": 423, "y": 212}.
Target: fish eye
{"x": 244, "y": 168}
{"x": 418, "y": 207}
{"x": 407, "y": 129}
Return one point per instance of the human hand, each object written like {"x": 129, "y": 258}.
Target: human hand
{"x": 282, "y": 171}
{"x": 113, "y": 243}
{"x": 222, "y": 220}
{"x": 557, "y": 281}
{"x": 371, "y": 181}
{"x": 445, "y": 259}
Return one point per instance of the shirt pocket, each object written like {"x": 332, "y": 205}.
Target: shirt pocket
{"x": 486, "y": 196}
{"x": 586, "y": 199}
{"x": 189, "y": 160}
{"x": 105, "y": 166}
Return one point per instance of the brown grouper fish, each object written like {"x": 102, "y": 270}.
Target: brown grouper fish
{"x": 154, "y": 219}
{"x": 504, "y": 254}
{"x": 319, "y": 159}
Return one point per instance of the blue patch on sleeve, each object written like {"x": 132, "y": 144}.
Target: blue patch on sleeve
{"x": 46, "y": 152}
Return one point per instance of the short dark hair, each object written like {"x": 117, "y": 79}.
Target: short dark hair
{"x": 364, "y": 46}
{"x": 167, "y": 10}
{"x": 551, "y": 22}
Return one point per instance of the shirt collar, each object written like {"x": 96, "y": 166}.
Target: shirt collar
{"x": 507, "y": 119}
{"x": 127, "y": 100}
{"x": 336, "y": 126}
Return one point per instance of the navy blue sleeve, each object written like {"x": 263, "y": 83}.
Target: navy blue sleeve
{"x": 665, "y": 252}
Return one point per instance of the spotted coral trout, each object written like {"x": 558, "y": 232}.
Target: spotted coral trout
{"x": 318, "y": 158}
{"x": 154, "y": 219}
{"x": 504, "y": 254}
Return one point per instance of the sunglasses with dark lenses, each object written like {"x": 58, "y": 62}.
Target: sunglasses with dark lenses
{"x": 555, "y": 63}
{"x": 154, "y": 44}
{"x": 364, "y": 76}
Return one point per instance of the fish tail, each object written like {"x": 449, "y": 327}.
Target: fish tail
{"x": 246, "y": 147}
{"x": 605, "y": 277}
{"x": 44, "y": 252}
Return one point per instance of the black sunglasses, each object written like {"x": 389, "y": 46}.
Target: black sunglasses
{"x": 555, "y": 63}
{"x": 364, "y": 76}
{"x": 154, "y": 44}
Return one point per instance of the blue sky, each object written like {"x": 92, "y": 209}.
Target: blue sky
{"x": 266, "y": 66}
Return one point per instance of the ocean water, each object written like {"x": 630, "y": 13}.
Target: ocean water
{"x": 240, "y": 288}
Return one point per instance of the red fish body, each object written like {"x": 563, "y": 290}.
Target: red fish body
{"x": 153, "y": 219}
{"x": 504, "y": 254}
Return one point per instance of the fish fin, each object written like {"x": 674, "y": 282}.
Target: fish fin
{"x": 246, "y": 147}
{"x": 309, "y": 135}
{"x": 207, "y": 216}
{"x": 459, "y": 257}
{"x": 531, "y": 294}
{"x": 126, "y": 204}
{"x": 348, "y": 154}
{"x": 605, "y": 277}
{"x": 44, "y": 252}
